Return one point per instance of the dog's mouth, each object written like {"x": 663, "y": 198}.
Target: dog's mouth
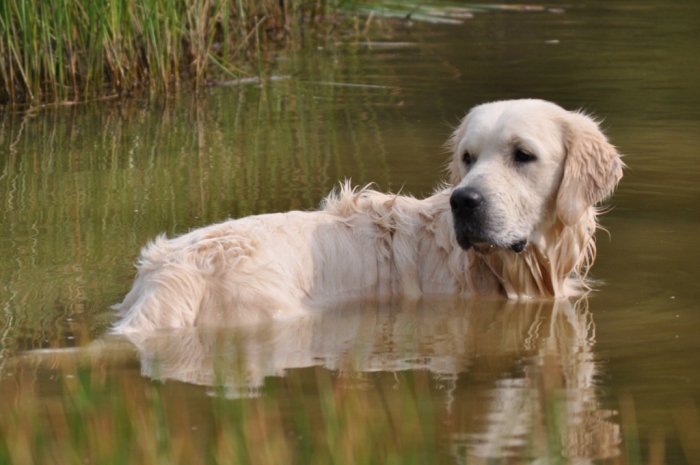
{"x": 484, "y": 248}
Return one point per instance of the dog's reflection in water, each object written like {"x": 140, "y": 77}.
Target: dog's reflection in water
{"x": 547, "y": 347}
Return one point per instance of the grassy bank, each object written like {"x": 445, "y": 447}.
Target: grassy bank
{"x": 69, "y": 50}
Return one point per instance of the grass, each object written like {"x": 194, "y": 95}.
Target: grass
{"x": 67, "y": 50}
{"x": 70, "y": 51}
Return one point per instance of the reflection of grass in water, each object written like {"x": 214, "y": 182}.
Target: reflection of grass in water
{"x": 83, "y": 189}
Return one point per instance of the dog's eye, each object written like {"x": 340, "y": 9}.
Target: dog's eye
{"x": 468, "y": 159}
{"x": 521, "y": 156}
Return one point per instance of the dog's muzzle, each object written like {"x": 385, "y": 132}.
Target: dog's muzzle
{"x": 471, "y": 223}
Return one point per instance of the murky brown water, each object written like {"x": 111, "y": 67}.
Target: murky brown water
{"x": 82, "y": 189}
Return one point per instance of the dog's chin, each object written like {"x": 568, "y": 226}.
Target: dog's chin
{"x": 469, "y": 236}
{"x": 464, "y": 242}
{"x": 484, "y": 248}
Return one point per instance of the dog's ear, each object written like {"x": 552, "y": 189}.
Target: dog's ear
{"x": 591, "y": 171}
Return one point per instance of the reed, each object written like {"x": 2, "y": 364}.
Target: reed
{"x": 72, "y": 50}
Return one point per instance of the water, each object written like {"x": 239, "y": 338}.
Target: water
{"x": 612, "y": 378}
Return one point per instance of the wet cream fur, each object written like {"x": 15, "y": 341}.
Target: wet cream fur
{"x": 363, "y": 244}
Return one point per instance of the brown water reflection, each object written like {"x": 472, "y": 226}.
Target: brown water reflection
{"x": 82, "y": 189}
{"x": 504, "y": 379}
{"x": 537, "y": 390}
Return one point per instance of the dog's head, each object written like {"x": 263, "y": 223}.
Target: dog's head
{"x": 520, "y": 166}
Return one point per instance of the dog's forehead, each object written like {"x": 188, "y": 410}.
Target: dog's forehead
{"x": 514, "y": 121}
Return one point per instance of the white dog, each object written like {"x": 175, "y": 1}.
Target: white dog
{"x": 518, "y": 219}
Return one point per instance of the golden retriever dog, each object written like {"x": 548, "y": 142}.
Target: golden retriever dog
{"x": 517, "y": 219}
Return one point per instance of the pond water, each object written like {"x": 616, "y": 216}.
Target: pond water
{"x": 614, "y": 378}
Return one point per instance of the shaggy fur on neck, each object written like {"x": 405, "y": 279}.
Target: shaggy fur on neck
{"x": 557, "y": 266}
{"x": 554, "y": 266}
{"x": 362, "y": 244}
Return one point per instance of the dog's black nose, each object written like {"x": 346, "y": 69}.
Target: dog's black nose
{"x": 465, "y": 200}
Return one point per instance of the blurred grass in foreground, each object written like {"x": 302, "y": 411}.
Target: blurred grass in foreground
{"x": 83, "y": 414}
{"x": 76, "y": 411}
{"x": 503, "y": 383}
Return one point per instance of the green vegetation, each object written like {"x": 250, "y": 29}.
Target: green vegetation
{"x": 67, "y": 50}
